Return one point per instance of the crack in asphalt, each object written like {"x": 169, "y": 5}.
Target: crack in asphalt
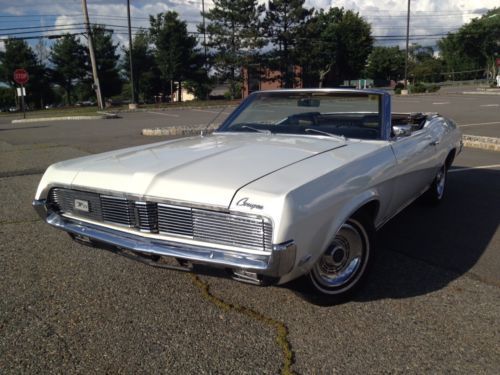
{"x": 280, "y": 327}
{"x": 51, "y": 330}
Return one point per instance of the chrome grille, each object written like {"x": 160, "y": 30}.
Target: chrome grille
{"x": 64, "y": 200}
{"x": 146, "y": 216}
{"x": 175, "y": 220}
{"x": 117, "y": 210}
{"x": 231, "y": 229}
{"x": 251, "y": 232}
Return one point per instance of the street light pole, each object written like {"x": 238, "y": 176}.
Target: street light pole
{"x": 407, "y": 45}
{"x": 132, "y": 85}
{"x": 97, "y": 86}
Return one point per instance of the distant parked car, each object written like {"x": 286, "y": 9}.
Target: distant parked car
{"x": 292, "y": 185}
{"x": 13, "y": 109}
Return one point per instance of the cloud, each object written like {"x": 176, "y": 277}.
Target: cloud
{"x": 388, "y": 17}
{"x": 427, "y": 17}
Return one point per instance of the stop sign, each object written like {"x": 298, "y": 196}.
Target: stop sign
{"x": 21, "y": 76}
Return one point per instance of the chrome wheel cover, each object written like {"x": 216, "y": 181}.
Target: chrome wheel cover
{"x": 343, "y": 263}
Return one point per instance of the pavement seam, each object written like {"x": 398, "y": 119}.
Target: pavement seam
{"x": 15, "y": 222}
{"x": 28, "y": 172}
{"x": 36, "y": 147}
{"x": 280, "y": 327}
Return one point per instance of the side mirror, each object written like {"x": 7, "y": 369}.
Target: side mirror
{"x": 401, "y": 130}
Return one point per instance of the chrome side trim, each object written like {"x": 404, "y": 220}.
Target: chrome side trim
{"x": 279, "y": 262}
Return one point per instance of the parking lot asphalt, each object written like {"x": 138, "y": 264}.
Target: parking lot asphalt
{"x": 474, "y": 114}
{"x": 431, "y": 304}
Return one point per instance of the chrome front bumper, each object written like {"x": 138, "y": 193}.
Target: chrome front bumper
{"x": 279, "y": 262}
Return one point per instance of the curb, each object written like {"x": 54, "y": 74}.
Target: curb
{"x": 472, "y": 141}
{"x": 65, "y": 118}
{"x": 179, "y": 131}
{"x": 481, "y": 93}
{"x": 215, "y": 106}
{"x": 484, "y": 143}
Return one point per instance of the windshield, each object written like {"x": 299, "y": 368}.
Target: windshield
{"x": 346, "y": 114}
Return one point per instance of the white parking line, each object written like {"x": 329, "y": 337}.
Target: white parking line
{"x": 479, "y": 124}
{"x": 164, "y": 114}
{"x": 207, "y": 111}
{"x": 408, "y": 101}
{"x": 492, "y": 166}
{"x": 490, "y": 105}
{"x": 441, "y": 103}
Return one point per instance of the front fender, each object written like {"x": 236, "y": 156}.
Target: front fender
{"x": 313, "y": 233}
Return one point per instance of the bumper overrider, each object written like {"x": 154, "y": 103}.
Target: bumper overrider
{"x": 277, "y": 263}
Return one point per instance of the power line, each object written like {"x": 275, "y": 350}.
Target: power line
{"x": 383, "y": 13}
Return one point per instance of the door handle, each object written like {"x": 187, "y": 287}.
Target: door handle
{"x": 434, "y": 143}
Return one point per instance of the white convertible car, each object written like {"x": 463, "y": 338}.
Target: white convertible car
{"x": 293, "y": 184}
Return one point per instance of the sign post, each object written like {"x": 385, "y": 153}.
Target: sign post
{"x": 22, "y": 77}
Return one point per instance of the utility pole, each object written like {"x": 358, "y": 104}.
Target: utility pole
{"x": 204, "y": 31}
{"x": 133, "y": 104}
{"x": 407, "y": 45}
{"x": 204, "y": 38}
{"x": 97, "y": 87}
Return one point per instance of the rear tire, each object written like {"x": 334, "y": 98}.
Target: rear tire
{"x": 342, "y": 268}
{"x": 436, "y": 192}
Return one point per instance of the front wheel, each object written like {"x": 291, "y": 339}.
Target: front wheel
{"x": 343, "y": 266}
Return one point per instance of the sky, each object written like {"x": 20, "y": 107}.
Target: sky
{"x": 430, "y": 19}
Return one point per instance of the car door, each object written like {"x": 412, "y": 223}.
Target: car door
{"x": 416, "y": 165}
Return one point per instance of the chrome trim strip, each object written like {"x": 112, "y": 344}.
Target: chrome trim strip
{"x": 278, "y": 263}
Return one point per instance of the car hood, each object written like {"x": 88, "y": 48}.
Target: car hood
{"x": 204, "y": 170}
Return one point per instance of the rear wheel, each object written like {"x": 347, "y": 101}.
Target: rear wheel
{"x": 436, "y": 192}
{"x": 343, "y": 266}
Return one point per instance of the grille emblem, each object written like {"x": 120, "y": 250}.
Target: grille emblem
{"x": 82, "y": 205}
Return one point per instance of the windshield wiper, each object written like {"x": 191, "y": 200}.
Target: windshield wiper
{"x": 265, "y": 131}
{"x": 339, "y": 137}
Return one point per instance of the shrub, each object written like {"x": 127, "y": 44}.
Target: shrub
{"x": 418, "y": 88}
{"x": 433, "y": 88}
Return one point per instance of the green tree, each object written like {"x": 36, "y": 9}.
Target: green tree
{"x": 285, "y": 22}
{"x": 174, "y": 47}
{"x": 337, "y": 46}
{"x": 68, "y": 64}
{"x": 386, "y": 63}
{"x": 18, "y": 54}
{"x": 7, "y": 97}
{"x": 234, "y": 32}
{"x": 107, "y": 60}
{"x": 146, "y": 71}
{"x": 422, "y": 65}
{"x": 475, "y": 45}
